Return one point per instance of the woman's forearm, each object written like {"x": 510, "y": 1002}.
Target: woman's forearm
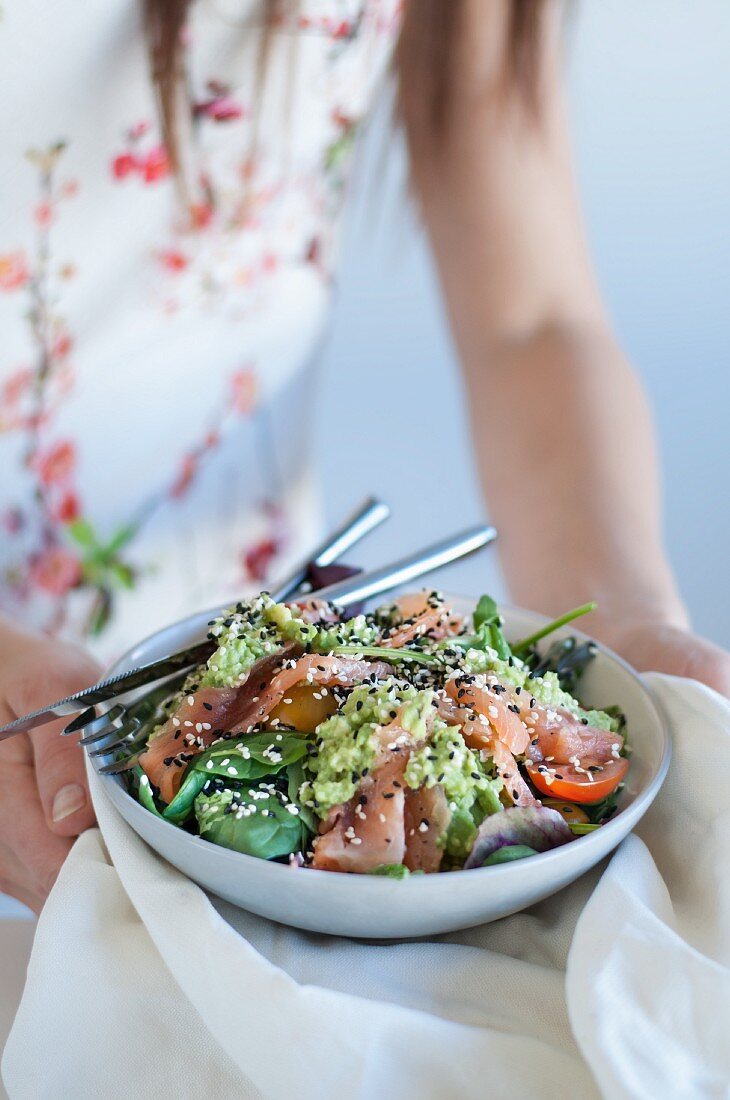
{"x": 566, "y": 454}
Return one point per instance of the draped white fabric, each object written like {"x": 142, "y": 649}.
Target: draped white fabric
{"x": 618, "y": 986}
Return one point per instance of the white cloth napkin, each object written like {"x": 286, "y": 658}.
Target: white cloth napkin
{"x": 619, "y": 985}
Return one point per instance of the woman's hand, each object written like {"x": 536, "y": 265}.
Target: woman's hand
{"x": 44, "y": 800}
{"x": 658, "y": 646}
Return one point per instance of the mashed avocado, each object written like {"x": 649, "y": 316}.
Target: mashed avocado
{"x": 252, "y": 630}
{"x": 357, "y": 631}
{"x": 446, "y": 759}
{"x": 470, "y": 791}
{"x": 546, "y": 689}
{"x": 260, "y": 627}
{"x": 345, "y": 743}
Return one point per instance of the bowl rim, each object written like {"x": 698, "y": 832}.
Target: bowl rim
{"x": 635, "y": 810}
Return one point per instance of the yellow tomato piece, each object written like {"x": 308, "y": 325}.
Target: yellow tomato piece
{"x": 301, "y": 710}
{"x": 571, "y": 813}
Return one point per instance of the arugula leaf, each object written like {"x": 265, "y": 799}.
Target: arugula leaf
{"x": 567, "y": 659}
{"x": 487, "y": 630}
{"x": 486, "y": 611}
{"x": 527, "y": 643}
{"x": 261, "y": 826}
{"x": 392, "y": 655}
{"x": 252, "y": 756}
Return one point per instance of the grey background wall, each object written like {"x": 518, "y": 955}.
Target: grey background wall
{"x": 649, "y": 87}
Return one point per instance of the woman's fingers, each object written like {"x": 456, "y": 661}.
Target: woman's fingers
{"x": 36, "y": 852}
{"x": 59, "y": 762}
{"x": 61, "y": 779}
{"x": 44, "y": 799}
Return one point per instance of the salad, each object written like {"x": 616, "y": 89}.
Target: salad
{"x": 410, "y": 739}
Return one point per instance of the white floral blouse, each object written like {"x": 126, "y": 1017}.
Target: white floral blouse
{"x": 157, "y": 335}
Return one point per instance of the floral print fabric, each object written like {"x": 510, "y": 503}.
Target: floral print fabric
{"x": 158, "y": 329}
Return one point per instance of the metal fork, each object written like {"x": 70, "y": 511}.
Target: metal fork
{"x": 352, "y": 590}
{"x": 130, "y": 730}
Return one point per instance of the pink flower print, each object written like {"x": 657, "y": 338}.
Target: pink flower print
{"x": 220, "y": 104}
{"x": 341, "y": 120}
{"x": 55, "y": 571}
{"x": 43, "y": 214}
{"x": 201, "y": 214}
{"x": 14, "y": 271}
{"x": 186, "y": 474}
{"x": 67, "y": 508}
{"x": 269, "y": 263}
{"x": 151, "y": 166}
{"x": 55, "y": 464}
{"x": 243, "y": 391}
{"x": 12, "y": 521}
{"x": 258, "y": 558}
{"x": 173, "y": 260}
{"x": 156, "y": 165}
{"x": 16, "y": 386}
{"x": 139, "y": 130}
{"x": 61, "y": 345}
{"x": 70, "y": 189}
{"x": 124, "y": 165}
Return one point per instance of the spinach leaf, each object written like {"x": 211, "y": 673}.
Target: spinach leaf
{"x": 252, "y": 756}
{"x": 256, "y": 822}
{"x": 509, "y": 852}
{"x": 181, "y": 807}
{"x": 295, "y": 777}
{"x": 142, "y": 789}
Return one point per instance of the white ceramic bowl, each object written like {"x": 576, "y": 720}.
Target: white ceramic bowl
{"x": 382, "y": 908}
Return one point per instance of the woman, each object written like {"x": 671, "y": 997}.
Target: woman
{"x": 167, "y": 240}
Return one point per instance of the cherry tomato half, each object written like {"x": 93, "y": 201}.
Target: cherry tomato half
{"x": 575, "y": 786}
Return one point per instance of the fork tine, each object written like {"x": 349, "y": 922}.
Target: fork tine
{"x": 120, "y": 765}
{"x": 103, "y": 725}
{"x": 127, "y": 739}
{"x": 80, "y": 722}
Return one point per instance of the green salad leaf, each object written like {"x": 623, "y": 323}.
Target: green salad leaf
{"x": 180, "y": 809}
{"x": 393, "y": 870}
{"x": 255, "y": 821}
{"x": 509, "y": 852}
{"x": 252, "y": 756}
{"x": 296, "y": 777}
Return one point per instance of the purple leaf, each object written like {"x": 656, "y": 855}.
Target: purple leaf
{"x": 536, "y": 826}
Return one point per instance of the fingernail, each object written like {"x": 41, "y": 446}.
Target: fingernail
{"x": 68, "y": 800}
